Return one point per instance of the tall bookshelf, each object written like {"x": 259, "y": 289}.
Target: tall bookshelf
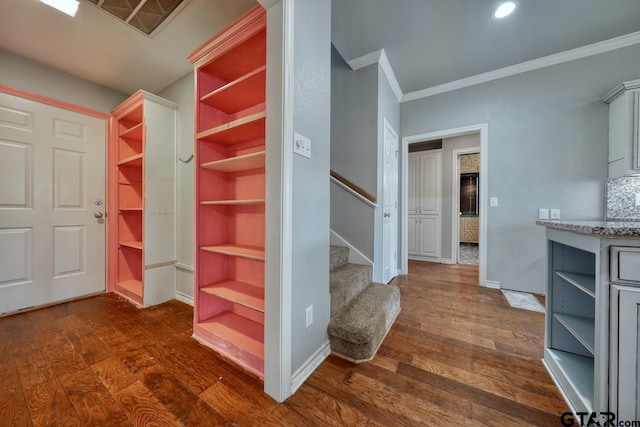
{"x": 141, "y": 210}
{"x": 230, "y": 72}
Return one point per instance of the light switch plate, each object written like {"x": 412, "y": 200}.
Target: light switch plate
{"x": 637, "y": 199}
{"x": 555, "y": 213}
{"x": 301, "y": 145}
{"x": 543, "y": 213}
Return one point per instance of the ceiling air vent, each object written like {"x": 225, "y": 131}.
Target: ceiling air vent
{"x": 147, "y": 16}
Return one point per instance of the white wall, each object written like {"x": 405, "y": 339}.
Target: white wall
{"x": 547, "y": 147}
{"x": 182, "y": 93}
{"x": 22, "y": 73}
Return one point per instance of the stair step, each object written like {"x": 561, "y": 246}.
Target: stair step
{"x": 338, "y": 255}
{"x": 346, "y": 282}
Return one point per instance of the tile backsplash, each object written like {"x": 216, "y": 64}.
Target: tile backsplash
{"x": 621, "y": 198}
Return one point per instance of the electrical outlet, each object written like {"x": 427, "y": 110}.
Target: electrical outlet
{"x": 309, "y": 316}
{"x": 555, "y": 213}
{"x": 543, "y": 213}
{"x": 493, "y": 201}
{"x": 301, "y": 145}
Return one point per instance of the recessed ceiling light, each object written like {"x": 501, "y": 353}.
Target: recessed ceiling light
{"x": 70, "y": 7}
{"x": 504, "y": 9}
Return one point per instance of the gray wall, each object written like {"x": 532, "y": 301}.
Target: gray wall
{"x": 311, "y": 118}
{"x": 354, "y": 99}
{"x": 22, "y": 73}
{"x": 547, "y": 147}
{"x": 354, "y": 149}
{"x": 182, "y": 92}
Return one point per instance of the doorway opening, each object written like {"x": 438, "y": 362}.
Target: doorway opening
{"x": 450, "y": 244}
{"x": 465, "y": 220}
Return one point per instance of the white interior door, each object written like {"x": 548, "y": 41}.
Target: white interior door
{"x": 52, "y": 174}
{"x": 430, "y": 219}
{"x": 390, "y": 204}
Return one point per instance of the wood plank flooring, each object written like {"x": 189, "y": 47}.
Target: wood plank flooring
{"x": 457, "y": 355}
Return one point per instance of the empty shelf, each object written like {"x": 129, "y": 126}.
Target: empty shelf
{"x": 233, "y": 202}
{"x": 249, "y": 252}
{"x": 134, "y": 286}
{"x": 135, "y": 160}
{"x": 577, "y": 371}
{"x": 125, "y": 210}
{"x": 238, "y": 163}
{"x": 244, "y": 129}
{"x": 239, "y": 94}
{"x": 583, "y": 328}
{"x": 238, "y": 292}
{"x": 134, "y": 245}
{"x": 585, "y": 282}
{"x": 243, "y": 333}
{"x": 134, "y": 132}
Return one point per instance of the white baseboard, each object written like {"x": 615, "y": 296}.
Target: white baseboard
{"x": 425, "y": 259}
{"x": 491, "y": 284}
{"x": 182, "y": 297}
{"x": 305, "y": 371}
{"x": 447, "y": 261}
{"x": 355, "y": 256}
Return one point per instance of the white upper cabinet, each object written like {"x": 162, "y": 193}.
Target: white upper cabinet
{"x": 624, "y": 129}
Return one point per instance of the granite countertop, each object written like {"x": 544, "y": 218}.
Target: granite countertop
{"x": 597, "y": 228}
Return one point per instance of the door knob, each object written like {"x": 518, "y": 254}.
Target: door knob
{"x": 98, "y": 214}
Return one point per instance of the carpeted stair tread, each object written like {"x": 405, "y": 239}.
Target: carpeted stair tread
{"x": 357, "y": 332}
{"x": 368, "y": 315}
{"x": 345, "y": 282}
{"x": 338, "y": 255}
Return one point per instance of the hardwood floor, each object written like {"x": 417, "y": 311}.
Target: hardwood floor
{"x": 457, "y": 355}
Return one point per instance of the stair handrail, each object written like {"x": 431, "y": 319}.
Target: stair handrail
{"x": 352, "y": 188}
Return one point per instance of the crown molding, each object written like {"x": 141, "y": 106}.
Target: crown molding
{"x": 364, "y": 60}
{"x": 618, "y": 90}
{"x": 379, "y": 56}
{"x": 523, "y": 67}
{"x": 385, "y": 65}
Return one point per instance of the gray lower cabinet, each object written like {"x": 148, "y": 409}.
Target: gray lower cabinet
{"x": 575, "y": 340}
{"x": 625, "y": 332}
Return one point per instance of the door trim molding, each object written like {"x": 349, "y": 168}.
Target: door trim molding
{"x": 483, "y": 129}
{"x": 53, "y": 102}
{"x": 455, "y": 201}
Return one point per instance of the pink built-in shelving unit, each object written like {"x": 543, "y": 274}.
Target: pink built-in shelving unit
{"x": 230, "y": 72}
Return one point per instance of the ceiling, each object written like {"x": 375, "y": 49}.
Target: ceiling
{"x": 428, "y": 42}
{"x": 97, "y": 47}
{"x": 432, "y": 42}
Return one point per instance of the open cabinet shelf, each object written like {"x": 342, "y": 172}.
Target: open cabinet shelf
{"x": 240, "y": 130}
{"x": 230, "y": 191}
{"x": 141, "y": 123}
{"x": 238, "y": 163}
{"x": 571, "y": 343}
{"x": 237, "y": 250}
{"x": 239, "y": 94}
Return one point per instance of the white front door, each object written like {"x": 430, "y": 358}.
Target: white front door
{"x": 390, "y": 204}
{"x": 52, "y": 182}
